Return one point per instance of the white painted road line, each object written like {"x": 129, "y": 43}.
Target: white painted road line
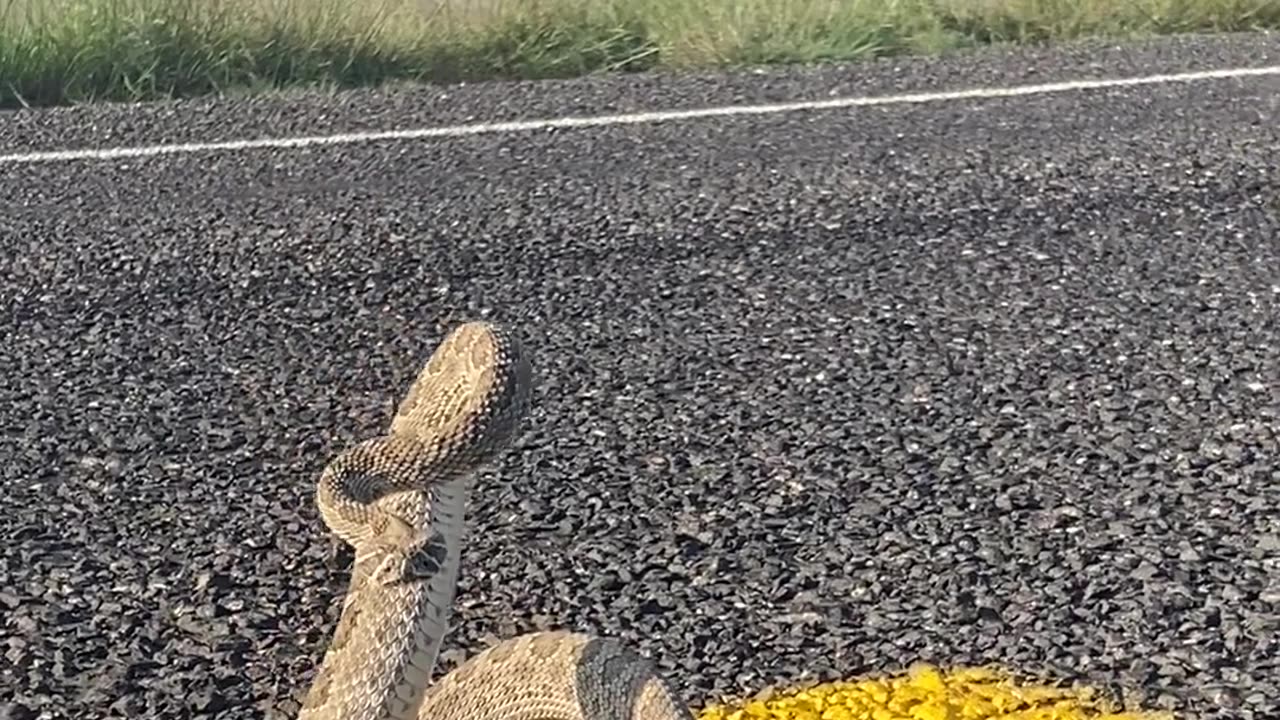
{"x": 456, "y": 131}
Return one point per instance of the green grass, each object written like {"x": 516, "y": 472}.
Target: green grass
{"x": 61, "y": 51}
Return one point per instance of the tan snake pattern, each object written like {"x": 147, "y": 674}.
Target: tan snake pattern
{"x": 399, "y": 501}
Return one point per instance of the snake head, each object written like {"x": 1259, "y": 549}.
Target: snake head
{"x": 394, "y": 550}
{"x": 416, "y": 562}
{"x": 402, "y": 553}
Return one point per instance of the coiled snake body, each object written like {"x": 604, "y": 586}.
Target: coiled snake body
{"x": 399, "y": 501}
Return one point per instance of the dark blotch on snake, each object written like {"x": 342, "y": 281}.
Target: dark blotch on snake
{"x": 603, "y": 658}
{"x": 426, "y": 562}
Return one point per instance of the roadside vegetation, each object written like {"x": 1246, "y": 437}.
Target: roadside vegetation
{"x": 61, "y": 51}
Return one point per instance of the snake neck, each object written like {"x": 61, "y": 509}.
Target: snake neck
{"x": 359, "y": 490}
{"x": 395, "y": 615}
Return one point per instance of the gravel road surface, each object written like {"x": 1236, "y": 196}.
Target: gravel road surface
{"x": 822, "y": 393}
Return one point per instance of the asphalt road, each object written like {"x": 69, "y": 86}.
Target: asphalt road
{"x": 822, "y": 393}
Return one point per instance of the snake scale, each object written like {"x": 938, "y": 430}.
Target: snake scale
{"x": 399, "y": 501}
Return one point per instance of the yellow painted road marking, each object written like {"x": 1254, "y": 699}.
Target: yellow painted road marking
{"x": 930, "y": 693}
